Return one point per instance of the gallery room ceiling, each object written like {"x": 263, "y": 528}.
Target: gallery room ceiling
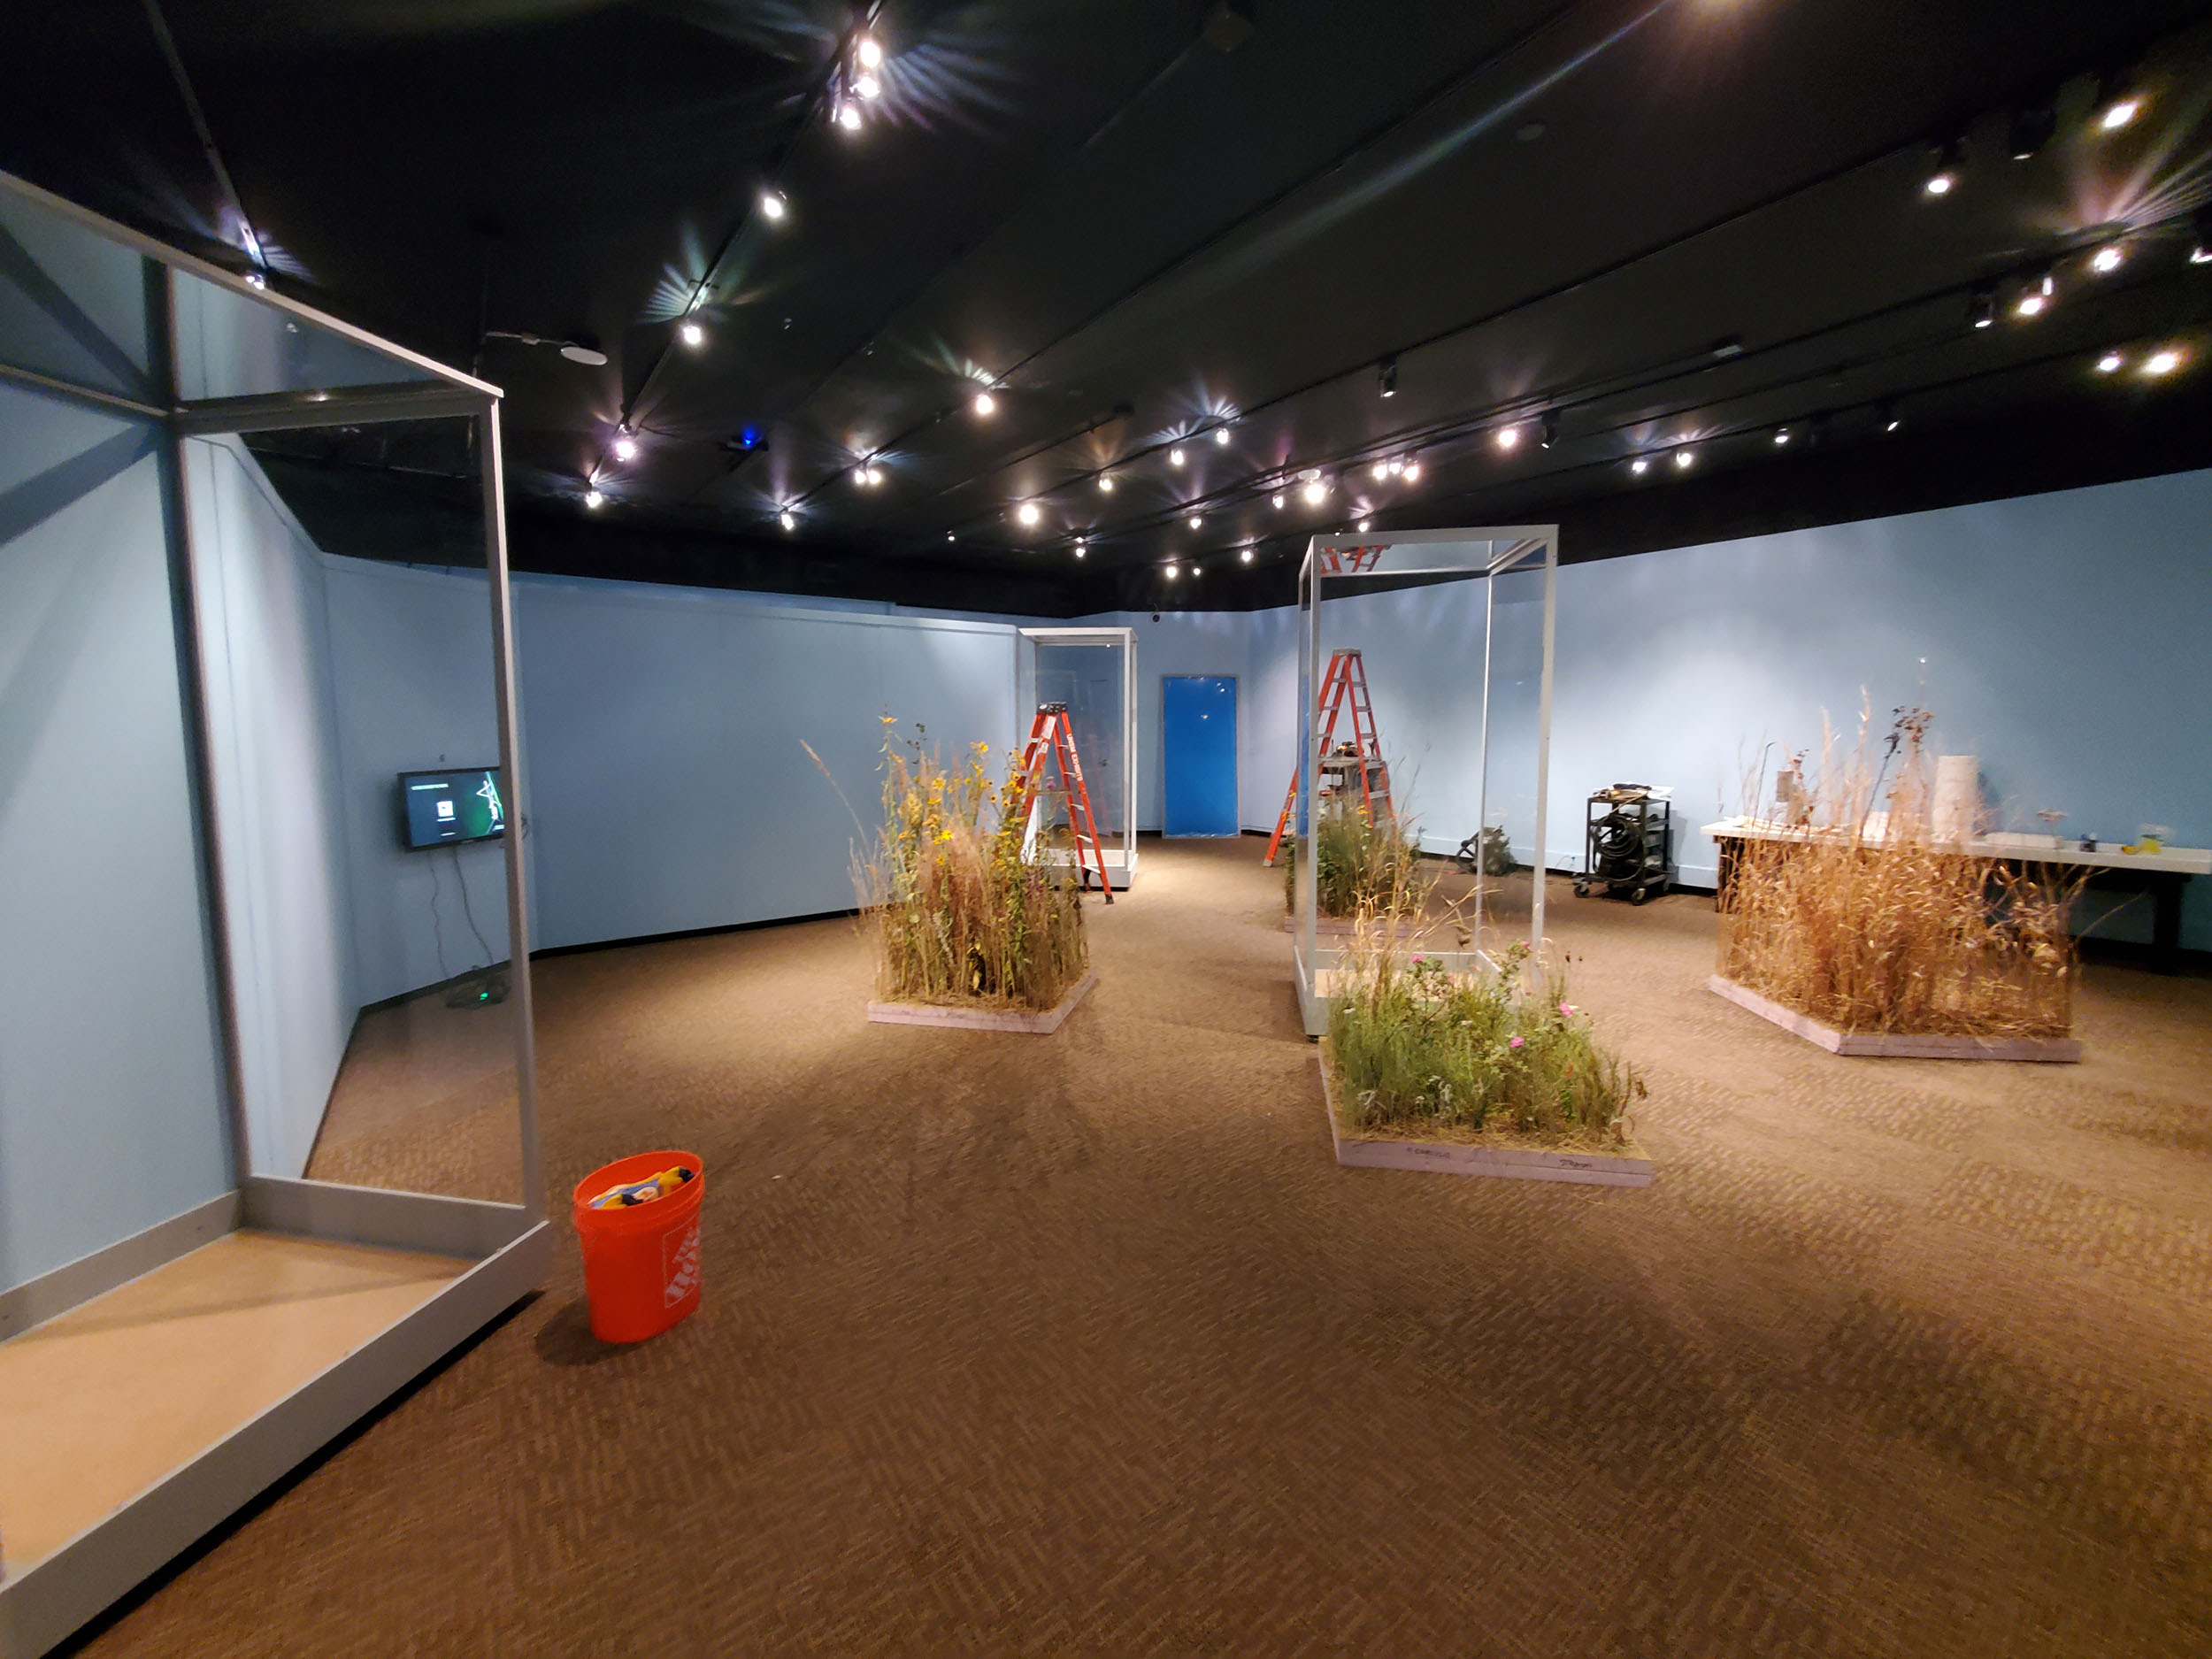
{"x": 1185, "y": 247}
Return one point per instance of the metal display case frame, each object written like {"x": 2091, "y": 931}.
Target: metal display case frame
{"x": 1117, "y": 848}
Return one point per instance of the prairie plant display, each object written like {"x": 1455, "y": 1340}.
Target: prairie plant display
{"x": 959, "y": 915}
{"x": 1861, "y": 919}
{"x": 1487, "y": 1054}
{"x": 1359, "y": 861}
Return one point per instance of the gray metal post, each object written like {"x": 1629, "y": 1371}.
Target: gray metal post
{"x": 1543, "y": 742}
{"x": 510, "y": 768}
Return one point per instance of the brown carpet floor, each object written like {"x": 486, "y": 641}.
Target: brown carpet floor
{"x": 1083, "y": 1344}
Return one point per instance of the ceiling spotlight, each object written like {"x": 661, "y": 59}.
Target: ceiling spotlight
{"x": 2119, "y": 101}
{"x": 867, "y": 474}
{"x": 1640, "y": 465}
{"x": 2111, "y": 362}
{"x": 1781, "y": 436}
{"x": 1943, "y": 177}
{"x": 2163, "y": 361}
{"x": 773, "y": 206}
{"x": 2035, "y": 298}
{"x": 1364, "y": 523}
{"x": 1316, "y": 493}
{"x": 257, "y": 277}
{"x": 1191, "y": 521}
{"x": 1106, "y": 482}
{"x": 786, "y": 520}
{"x": 1981, "y": 309}
{"x": 2200, "y": 248}
{"x": 1175, "y": 457}
{"x": 949, "y": 537}
{"x": 1387, "y": 376}
{"x": 1550, "y": 430}
{"x": 1221, "y": 434}
{"x": 2030, "y": 130}
{"x": 2107, "y": 259}
{"x": 985, "y": 403}
{"x": 1381, "y": 469}
{"x": 1683, "y": 458}
{"x": 625, "y": 448}
{"x": 867, "y": 85}
{"x": 692, "y": 336}
{"x": 848, "y": 117}
{"x": 1246, "y": 556}
{"x": 1029, "y": 512}
{"x": 1078, "y": 547}
{"x": 868, "y": 51}
{"x": 1410, "y": 472}
{"x": 1279, "y": 501}
{"x": 1887, "y": 415}
{"x": 1395, "y": 468}
{"x": 1173, "y": 573}
{"x": 1509, "y": 437}
{"x": 594, "y": 499}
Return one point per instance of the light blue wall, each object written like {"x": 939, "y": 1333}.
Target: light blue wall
{"x": 273, "y": 725}
{"x": 1182, "y": 643}
{"x": 111, "y": 1111}
{"x": 411, "y": 655}
{"x": 661, "y": 738}
{"x": 2060, "y": 638}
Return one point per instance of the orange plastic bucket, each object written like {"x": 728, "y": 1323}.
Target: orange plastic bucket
{"x": 640, "y": 1264}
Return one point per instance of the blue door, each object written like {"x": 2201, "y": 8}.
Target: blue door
{"x": 1198, "y": 754}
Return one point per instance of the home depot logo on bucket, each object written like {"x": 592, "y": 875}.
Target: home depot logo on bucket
{"x": 679, "y": 1263}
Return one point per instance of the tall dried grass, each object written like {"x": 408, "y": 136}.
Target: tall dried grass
{"x": 959, "y": 915}
{"x": 1860, "y": 919}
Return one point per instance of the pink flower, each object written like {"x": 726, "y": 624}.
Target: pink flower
{"x": 1566, "y": 1010}
{"x": 1517, "y": 1042}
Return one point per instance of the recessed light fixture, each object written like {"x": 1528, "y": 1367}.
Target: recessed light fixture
{"x": 1943, "y": 177}
{"x": 985, "y": 403}
{"x": 1175, "y": 457}
{"x": 692, "y": 335}
{"x": 2163, "y": 361}
{"x": 786, "y": 520}
{"x": 1509, "y": 437}
{"x": 773, "y": 206}
{"x": 2107, "y": 259}
{"x": 1106, "y": 482}
{"x": 594, "y": 499}
{"x": 2111, "y": 362}
{"x": 1387, "y": 376}
{"x": 1029, "y": 512}
{"x": 1684, "y": 458}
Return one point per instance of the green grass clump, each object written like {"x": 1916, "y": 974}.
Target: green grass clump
{"x": 1358, "y": 861}
{"x": 1419, "y": 1050}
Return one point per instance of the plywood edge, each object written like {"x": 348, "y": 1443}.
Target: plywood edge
{"x": 1896, "y": 1045}
{"x": 51, "y": 1294}
{"x": 1446, "y": 1157}
{"x": 42, "y": 1605}
{"x": 1039, "y": 1023}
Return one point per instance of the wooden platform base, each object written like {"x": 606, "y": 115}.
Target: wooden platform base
{"x": 105, "y": 1401}
{"x": 1450, "y": 1157}
{"x": 984, "y": 1018}
{"x": 1897, "y": 1046}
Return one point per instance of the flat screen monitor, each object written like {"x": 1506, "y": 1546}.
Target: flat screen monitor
{"x": 441, "y": 807}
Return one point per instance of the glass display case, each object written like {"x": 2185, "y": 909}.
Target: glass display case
{"x": 1092, "y": 673}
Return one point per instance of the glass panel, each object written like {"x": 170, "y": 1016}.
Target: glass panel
{"x": 1093, "y": 672}
{"x": 364, "y": 825}
{"x": 73, "y": 304}
{"x": 229, "y": 345}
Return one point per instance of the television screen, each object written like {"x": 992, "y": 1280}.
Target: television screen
{"x": 438, "y": 807}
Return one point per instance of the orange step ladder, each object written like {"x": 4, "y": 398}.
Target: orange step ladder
{"x": 1343, "y": 692}
{"x": 1052, "y": 738}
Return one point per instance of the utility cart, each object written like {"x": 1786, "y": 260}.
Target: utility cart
{"x": 1626, "y": 836}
